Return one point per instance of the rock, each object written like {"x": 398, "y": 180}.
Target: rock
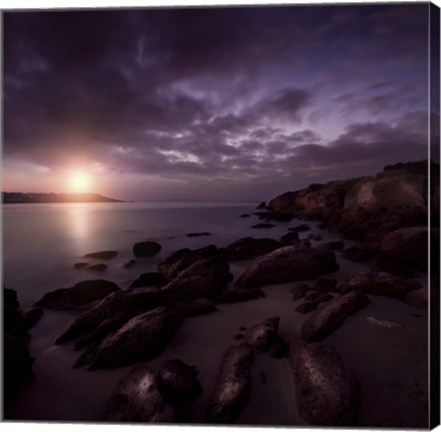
{"x": 287, "y": 264}
{"x": 129, "y": 263}
{"x": 263, "y": 225}
{"x": 198, "y": 234}
{"x": 289, "y": 238}
{"x": 388, "y": 264}
{"x": 319, "y": 297}
{"x": 150, "y": 279}
{"x": 197, "y": 307}
{"x": 142, "y": 338}
{"x": 238, "y": 336}
{"x": 324, "y": 284}
{"x": 420, "y": 297}
{"x": 32, "y": 317}
{"x": 233, "y": 386}
{"x": 178, "y": 382}
{"x": 17, "y": 366}
{"x": 276, "y": 216}
{"x": 237, "y": 296}
{"x": 81, "y": 294}
{"x": 298, "y": 291}
{"x": 279, "y": 349}
{"x": 108, "y": 254}
{"x": 184, "y": 258}
{"x": 307, "y": 306}
{"x": 137, "y": 399}
{"x": 245, "y": 215}
{"x": 357, "y": 254}
{"x": 262, "y": 205}
{"x": 98, "y": 267}
{"x": 133, "y": 302}
{"x": 332, "y": 315}
{"x": 263, "y": 335}
{"x": 249, "y": 247}
{"x": 299, "y": 228}
{"x": 378, "y": 283}
{"x": 315, "y": 237}
{"x": 146, "y": 248}
{"x": 187, "y": 289}
{"x": 13, "y": 322}
{"x": 327, "y": 393}
{"x": 407, "y": 244}
{"x": 333, "y": 245}
{"x": 215, "y": 268}
{"x": 80, "y": 265}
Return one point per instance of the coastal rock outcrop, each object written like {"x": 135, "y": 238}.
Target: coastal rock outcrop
{"x": 137, "y": 399}
{"x": 81, "y": 294}
{"x": 249, "y": 247}
{"x": 327, "y": 393}
{"x": 190, "y": 288}
{"x": 150, "y": 279}
{"x": 287, "y": 264}
{"x": 233, "y": 386}
{"x": 331, "y": 315}
{"x": 263, "y": 335}
{"x": 379, "y": 283}
{"x": 142, "y": 338}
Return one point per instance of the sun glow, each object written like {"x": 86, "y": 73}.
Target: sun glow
{"x": 79, "y": 182}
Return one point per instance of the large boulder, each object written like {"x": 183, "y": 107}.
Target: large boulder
{"x": 407, "y": 244}
{"x": 420, "y": 297}
{"x": 81, "y": 294}
{"x": 379, "y": 283}
{"x": 233, "y": 386}
{"x": 331, "y": 315}
{"x": 146, "y": 248}
{"x": 263, "y": 335}
{"x": 183, "y": 258}
{"x": 137, "y": 399}
{"x": 150, "y": 279}
{"x": 249, "y": 247}
{"x": 327, "y": 393}
{"x": 289, "y": 263}
{"x": 132, "y": 302}
{"x": 178, "y": 382}
{"x": 187, "y": 289}
{"x": 142, "y": 338}
{"x": 215, "y": 268}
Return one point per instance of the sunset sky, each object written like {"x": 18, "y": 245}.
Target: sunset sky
{"x": 231, "y": 103}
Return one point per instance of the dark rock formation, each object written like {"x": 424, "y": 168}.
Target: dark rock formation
{"x": 146, "y": 248}
{"x": 137, "y": 399}
{"x": 388, "y": 264}
{"x": 108, "y": 254}
{"x": 320, "y": 297}
{"x": 32, "y": 316}
{"x": 200, "y": 306}
{"x": 215, "y": 268}
{"x": 80, "y": 265}
{"x": 327, "y": 393}
{"x": 420, "y": 297}
{"x": 333, "y": 245}
{"x": 379, "y": 283}
{"x": 298, "y": 291}
{"x": 276, "y": 216}
{"x": 315, "y": 237}
{"x": 233, "y": 386}
{"x": 198, "y": 234}
{"x": 287, "y": 264}
{"x": 236, "y": 295}
{"x": 299, "y": 228}
{"x": 187, "y": 289}
{"x": 129, "y": 263}
{"x": 97, "y": 267}
{"x": 324, "y": 284}
{"x": 150, "y": 279}
{"x": 331, "y": 315}
{"x": 249, "y": 247}
{"x": 279, "y": 349}
{"x": 245, "y": 215}
{"x": 262, "y": 205}
{"x": 178, "y": 382}
{"x": 142, "y": 338}
{"x": 81, "y": 294}
{"x": 289, "y": 238}
{"x": 263, "y": 335}
{"x": 357, "y": 254}
{"x": 263, "y": 225}
{"x": 307, "y": 306}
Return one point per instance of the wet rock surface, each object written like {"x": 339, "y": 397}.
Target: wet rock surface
{"x": 327, "y": 393}
{"x": 249, "y": 247}
{"x": 150, "y": 279}
{"x": 233, "y": 386}
{"x": 286, "y": 264}
{"x": 237, "y": 295}
{"x": 263, "y": 335}
{"x": 332, "y": 315}
{"x": 146, "y": 248}
{"x": 298, "y": 291}
{"x": 81, "y": 294}
{"x": 137, "y": 399}
{"x": 108, "y": 254}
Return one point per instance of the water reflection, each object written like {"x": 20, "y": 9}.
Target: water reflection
{"x": 78, "y": 217}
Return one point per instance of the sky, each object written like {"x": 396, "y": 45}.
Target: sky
{"x": 238, "y": 103}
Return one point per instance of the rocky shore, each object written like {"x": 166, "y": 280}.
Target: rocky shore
{"x": 383, "y": 219}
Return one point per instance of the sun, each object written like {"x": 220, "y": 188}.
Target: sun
{"x": 79, "y": 181}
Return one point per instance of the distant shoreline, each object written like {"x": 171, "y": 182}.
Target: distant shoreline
{"x": 47, "y": 198}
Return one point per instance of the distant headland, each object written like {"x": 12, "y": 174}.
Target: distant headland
{"x": 31, "y": 198}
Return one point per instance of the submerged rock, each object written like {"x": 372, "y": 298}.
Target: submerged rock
{"x": 81, "y": 294}
{"x": 332, "y": 315}
{"x": 108, "y": 254}
{"x": 198, "y": 234}
{"x": 80, "y": 265}
{"x": 178, "y": 382}
{"x": 379, "y": 283}
{"x": 249, "y": 247}
{"x": 146, "y": 248}
{"x": 263, "y": 335}
{"x": 137, "y": 399}
{"x": 233, "y": 386}
{"x": 263, "y": 225}
{"x": 287, "y": 264}
{"x": 142, "y": 338}
{"x": 97, "y": 267}
{"x": 327, "y": 393}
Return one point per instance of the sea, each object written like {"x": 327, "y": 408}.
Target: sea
{"x": 385, "y": 344}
